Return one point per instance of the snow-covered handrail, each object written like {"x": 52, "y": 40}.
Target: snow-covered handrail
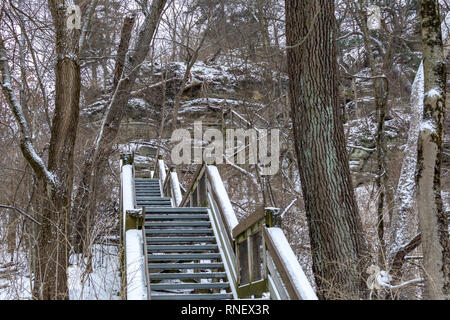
{"x": 161, "y": 170}
{"x": 287, "y": 265}
{"x": 170, "y": 185}
{"x": 220, "y": 195}
{"x": 127, "y": 187}
{"x": 175, "y": 187}
{"x": 134, "y": 282}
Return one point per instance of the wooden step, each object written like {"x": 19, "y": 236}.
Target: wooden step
{"x": 176, "y": 266}
{"x": 178, "y": 210}
{"x": 176, "y": 224}
{"x": 218, "y": 296}
{"x": 182, "y": 248}
{"x": 184, "y": 257}
{"x": 154, "y": 199}
{"x": 188, "y": 276}
{"x": 184, "y": 286}
{"x": 152, "y": 216}
{"x": 148, "y": 193}
{"x": 151, "y": 187}
{"x": 150, "y": 232}
{"x": 180, "y": 239}
{"x": 153, "y": 203}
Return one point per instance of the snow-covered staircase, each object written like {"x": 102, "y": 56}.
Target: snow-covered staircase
{"x": 184, "y": 261}
{"x": 190, "y": 245}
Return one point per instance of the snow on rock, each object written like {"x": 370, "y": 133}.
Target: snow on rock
{"x": 136, "y": 288}
{"x": 299, "y": 279}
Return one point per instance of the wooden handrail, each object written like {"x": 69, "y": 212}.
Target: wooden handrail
{"x": 175, "y": 187}
{"x": 131, "y": 219}
{"x": 294, "y": 279}
{"x": 218, "y": 192}
{"x": 280, "y": 266}
{"x": 165, "y": 184}
{"x": 189, "y": 189}
{"x": 161, "y": 171}
{"x": 248, "y": 222}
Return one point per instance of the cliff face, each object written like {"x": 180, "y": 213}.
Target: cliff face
{"x": 213, "y": 89}
{"x": 210, "y": 89}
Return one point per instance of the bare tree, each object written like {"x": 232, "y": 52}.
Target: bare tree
{"x": 55, "y": 178}
{"x": 102, "y": 149}
{"x": 337, "y": 242}
{"x": 433, "y": 220}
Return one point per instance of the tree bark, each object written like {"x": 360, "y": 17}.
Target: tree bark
{"x": 125, "y": 36}
{"x": 404, "y": 218}
{"x": 337, "y": 242}
{"x": 433, "y": 220}
{"x": 53, "y": 236}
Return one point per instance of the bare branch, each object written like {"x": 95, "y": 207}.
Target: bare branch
{"x": 26, "y": 145}
{"x": 26, "y": 215}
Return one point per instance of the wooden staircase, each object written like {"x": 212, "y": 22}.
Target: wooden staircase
{"x": 183, "y": 259}
{"x": 175, "y": 250}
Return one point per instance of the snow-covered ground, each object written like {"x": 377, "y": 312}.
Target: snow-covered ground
{"x": 104, "y": 281}
{"x": 102, "y": 284}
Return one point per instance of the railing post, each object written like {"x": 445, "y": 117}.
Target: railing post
{"x": 175, "y": 187}
{"x": 127, "y": 193}
{"x": 161, "y": 170}
{"x": 127, "y": 159}
{"x": 273, "y": 217}
{"x": 132, "y": 219}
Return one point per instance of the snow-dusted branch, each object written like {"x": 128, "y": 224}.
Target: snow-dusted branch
{"x": 26, "y": 145}
{"x": 26, "y": 215}
{"x": 245, "y": 172}
{"x": 288, "y": 207}
{"x": 403, "y": 284}
{"x": 361, "y": 148}
{"x": 86, "y": 24}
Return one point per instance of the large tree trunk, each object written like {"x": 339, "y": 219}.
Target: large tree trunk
{"x": 337, "y": 241}
{"x": 432, "y": 218}
{"x": 53, "y": 236}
